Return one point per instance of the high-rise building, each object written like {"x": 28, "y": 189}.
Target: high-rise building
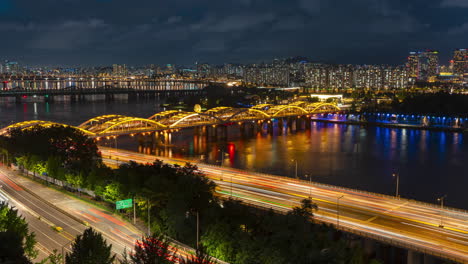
{"x": 119, "y": 70}
{"x": 345, "y": 77}
{"x": 267, "y": 75}
{"x": 460, "y": 61}
{"x": 423, "y": 65}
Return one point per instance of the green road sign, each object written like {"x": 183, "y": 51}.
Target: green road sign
{"x": 124, "y": 204}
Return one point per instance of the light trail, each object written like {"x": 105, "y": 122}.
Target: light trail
{"x": 402, "y": 222}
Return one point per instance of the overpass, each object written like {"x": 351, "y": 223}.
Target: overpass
{"x": 172, "y": 120}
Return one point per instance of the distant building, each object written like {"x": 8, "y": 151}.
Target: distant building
{"x": 11, "y": 67}
{"x": 267, "y": 75}
{"x": 345, "y": 77}
{"x": 423, "y": 65}
{"x": 119, "y": 70}
{"x": 460, "y": 61}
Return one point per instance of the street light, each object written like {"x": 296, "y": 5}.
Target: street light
{"x": 63, "y": 247}
{"x": 397, "y": 176}
{"x": 295, "y": 161}
{"x": 198, "y": 228}
{"x": 441, "y": 200}
{"x": 149, "y": 223}
{"x": 310, "y": 185}
{"x": 338, "y": 211}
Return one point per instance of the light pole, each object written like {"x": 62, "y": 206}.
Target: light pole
{"x": 198, "y": 228}
{"x": 441, "y": 200}
{"x": 338, "y": 211}
{"x": 149, "y": 223}
{"x": 310, "y": 185}
{"x": 295, "y": 161}
{"x": 63, "y": 249}
{"x": 397, "y": 176}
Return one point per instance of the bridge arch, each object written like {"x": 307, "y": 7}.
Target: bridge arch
{"x": 194, "y": 118}
{"x": 99, "y": 119}
{"x": 164, "y": 115}
{"x": 324, "y": 106}
{"x": 278, "y": 110}
{"x": 247, "y": 114}
{"x": 134, "y": 123}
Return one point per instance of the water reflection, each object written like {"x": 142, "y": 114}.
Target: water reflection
{"x": 429, "y": 162}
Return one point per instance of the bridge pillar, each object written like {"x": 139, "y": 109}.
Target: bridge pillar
{"x": 269, "y": 124}
{"x": 224, "y": 131}
{"x": 213, "y": 131}
{"x": 48, "y": 98}
{"x": 132, "y": 96}
{"x": 18, "y": 99}
{"x": 109, "y": 97}
{"x": 307, "y": 122}
{"x": 428, "y": 259}
{"x": 281, "y": 124}
{"x": 293, "y": 125}
{"x": 413, "y": 257}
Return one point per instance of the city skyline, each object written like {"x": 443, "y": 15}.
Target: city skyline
{"x": 183, "y": 32}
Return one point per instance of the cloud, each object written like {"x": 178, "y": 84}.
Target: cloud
{"x": 455, "y": 3}
{"x": 462, "y": 29}
{"x": 310, "y": 6}
{"x": 237, "y": 22}
{"x": 174, "y": 19}
{"x": 68, "y": 35}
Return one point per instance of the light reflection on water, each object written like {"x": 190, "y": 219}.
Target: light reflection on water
{"x": 430, "y": 163}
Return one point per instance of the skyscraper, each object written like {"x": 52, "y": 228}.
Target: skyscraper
{"x": 423, "y": 64}
{"x": 460, "y": 61}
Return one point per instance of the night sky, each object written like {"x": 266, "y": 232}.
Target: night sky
{"x": 137, "y": 32}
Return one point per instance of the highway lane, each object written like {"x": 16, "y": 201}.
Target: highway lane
{"x": 121, "y": 234}
{"x": 401, "y": 221}
{"x": 46, "y": 237}
{"x": 116, "y": 232}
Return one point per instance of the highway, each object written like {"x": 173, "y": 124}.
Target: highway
{"x": 42, "y": 217}
{"x": 45, "y": 208}
{"x": 406, "y": 223}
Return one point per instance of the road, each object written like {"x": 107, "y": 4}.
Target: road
{"x": 423, "y": 227}
{"x": 44, "y": 208}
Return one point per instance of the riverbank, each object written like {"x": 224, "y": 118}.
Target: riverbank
{"x": 392, "y": 125}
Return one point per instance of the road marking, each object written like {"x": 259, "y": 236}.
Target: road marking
{"x": 10, "y": 183}
{"x": 107, "y": 216}
{"x": 43, "y": 249}
{"x": 386, "y": 211}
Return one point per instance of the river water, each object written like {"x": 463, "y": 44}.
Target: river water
{"x": 430, "y": 163}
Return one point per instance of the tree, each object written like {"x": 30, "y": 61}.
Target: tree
{"x": 152, "y": 250}
{"x": 305, "y": 210}
{"x": 14, "y": 229}
{"x": 90, "y": 248}
{"x": 200, "y": 257}
{"x": 54, "y": 258}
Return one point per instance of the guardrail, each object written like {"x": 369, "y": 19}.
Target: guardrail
{"x": 334, "y": 187}
{"x": 343, "y": 227}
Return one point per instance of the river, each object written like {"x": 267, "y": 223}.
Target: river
{"x": 430, "y": 163}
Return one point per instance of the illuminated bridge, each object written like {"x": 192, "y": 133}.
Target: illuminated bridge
{"x": 114, "y": 125}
